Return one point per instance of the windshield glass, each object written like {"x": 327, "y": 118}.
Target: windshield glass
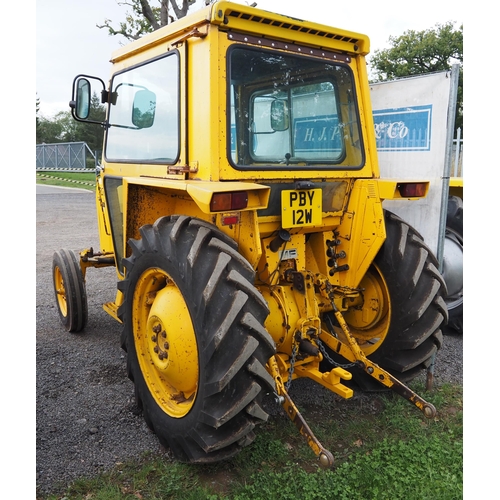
{"x": 291, "y": 110}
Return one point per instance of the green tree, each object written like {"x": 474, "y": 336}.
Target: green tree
{"x": 37, "y": 119}
{"x": 63, "y": 128}
{"x": 419, "y": 52}
{"x": 37, "y": 109}
{"x": 49, "y": 131}
{"x": 90, "y": 133}
{"x": 146, "y": 17}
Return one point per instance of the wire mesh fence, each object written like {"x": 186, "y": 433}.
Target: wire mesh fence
{"x": 65, "y": 156}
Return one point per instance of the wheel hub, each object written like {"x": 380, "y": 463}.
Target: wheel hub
{"x": 369, "y": 324}
{"x": 166, "y": 342}
{"x": 60, "y": 291}
{"x": 159, "y": 341}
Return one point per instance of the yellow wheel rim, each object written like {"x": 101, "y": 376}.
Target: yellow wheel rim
{"x": 165, "y": 342}
{"x": 60, "y": 292}
{"x": 370, "y": 324}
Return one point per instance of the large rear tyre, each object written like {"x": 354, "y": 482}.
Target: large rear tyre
{"x": 195, "y": 341}
{"x": 70, "y": 292}
{"x": 399, "y": 325}
{"x": 453, "y": 263}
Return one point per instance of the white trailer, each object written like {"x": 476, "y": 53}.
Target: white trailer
{"x": 414, "y": 124}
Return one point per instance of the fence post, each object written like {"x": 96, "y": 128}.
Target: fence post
{"x": 458, "y": 150}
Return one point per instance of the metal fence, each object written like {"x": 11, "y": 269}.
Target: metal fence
{"x": 74, "y": 155}
{"x": 64, "y": 156}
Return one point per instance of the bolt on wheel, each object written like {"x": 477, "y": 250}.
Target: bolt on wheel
{"x": 165, "y": 342}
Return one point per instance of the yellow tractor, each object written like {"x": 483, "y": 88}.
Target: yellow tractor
{"x": 240, "y": 200}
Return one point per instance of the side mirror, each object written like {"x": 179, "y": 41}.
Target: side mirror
{"x": 143, "y": 109}
{"x": 280, "y": 116}
{"x": 81, "y": 97}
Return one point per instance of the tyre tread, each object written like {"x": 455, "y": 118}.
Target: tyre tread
{"x": 233, "y": 349}
{"x": 417, "y": 292}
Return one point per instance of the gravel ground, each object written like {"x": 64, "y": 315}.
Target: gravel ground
{"x": 86, "y": 420}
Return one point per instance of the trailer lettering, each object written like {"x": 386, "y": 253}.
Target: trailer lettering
{"x": 323, "y": 135}
{"x": 397, "y": 130}
{"x": 392, "y": 130}
{"x": 309, "y": 134}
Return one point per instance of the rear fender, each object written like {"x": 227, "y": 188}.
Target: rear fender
{"x": 361, "y": 232}
{"x": 144, "y": 200}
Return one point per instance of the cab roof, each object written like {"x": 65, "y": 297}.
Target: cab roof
{"x": 231, "y": 16}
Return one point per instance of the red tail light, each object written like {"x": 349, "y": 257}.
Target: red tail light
{"x": 412, "y": 189}
{"x": 223, "y": 202}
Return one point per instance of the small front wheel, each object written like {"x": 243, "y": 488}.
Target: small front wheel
{"x": 69, "y": 288}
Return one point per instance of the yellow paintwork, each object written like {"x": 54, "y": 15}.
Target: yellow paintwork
{"x": 388, "y": 188}
{"x": 370, "y": 324}
{"x": 300, "y": 280}
{"x": 231, "y": 15}
{"x": 331, "y": 380}
{"x": 61, "y": 294}
{"x": 456, "y": 187}
{"x": 457, "y": 182}
{"x": 165, "y": 342}
{"x": 103, "y": 223}
{"x": 148, "y": 192}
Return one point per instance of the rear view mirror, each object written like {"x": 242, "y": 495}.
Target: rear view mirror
{"x": 82, "y": 104}
{"x": 280, "y": 120}
{"x": 143, "y": 110}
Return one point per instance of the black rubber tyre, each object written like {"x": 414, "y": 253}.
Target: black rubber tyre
{"x": 455, "y": 214}
{"x": 408, "y": 333}
{"x": 199, "y": 267}
{"x": 417, "y": 291}
{"x": 453, "y": 263}
{"x": 70, "y": 292}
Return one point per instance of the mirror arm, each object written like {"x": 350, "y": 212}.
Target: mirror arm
{"x": 72, "y": 105}
{"x": 108, "y": 97}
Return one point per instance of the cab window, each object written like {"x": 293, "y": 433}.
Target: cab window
{"x": 288, "y": 111}
{"x": 144, "y": 113}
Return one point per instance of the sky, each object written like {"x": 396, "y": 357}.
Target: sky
{"x": 69, "y": 43}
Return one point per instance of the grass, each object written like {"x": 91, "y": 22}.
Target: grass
{"x": 383, "y": 450}
{"x": 83, "y": 180}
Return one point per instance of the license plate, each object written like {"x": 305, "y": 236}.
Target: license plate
{"x": 301, "y": 208}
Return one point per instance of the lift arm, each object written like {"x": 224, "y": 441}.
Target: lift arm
{"x": 354, "y": 353}
{"x": 325, "y": 457}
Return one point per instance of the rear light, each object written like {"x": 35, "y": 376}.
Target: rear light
{"x": 412, "y": 189}
{"x": 223, "y": 202}
{"x": 230, "y": 219}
